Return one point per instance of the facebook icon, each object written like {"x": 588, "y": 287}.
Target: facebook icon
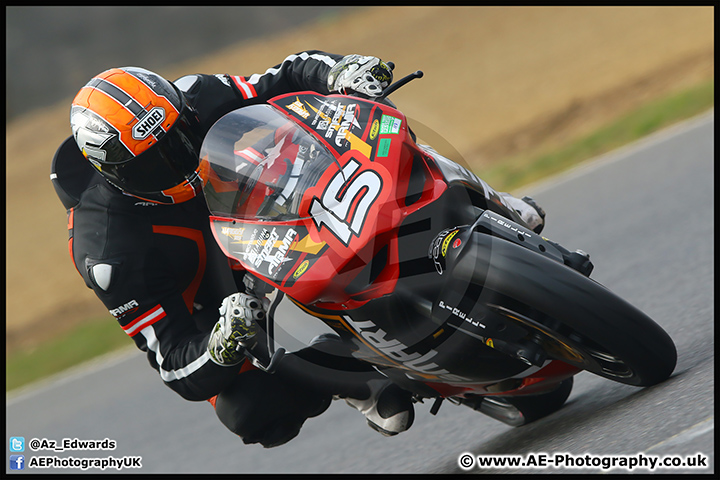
{"x": 17, "y": 462}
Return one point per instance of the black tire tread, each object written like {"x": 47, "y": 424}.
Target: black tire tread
{"x": 579, "y": 302}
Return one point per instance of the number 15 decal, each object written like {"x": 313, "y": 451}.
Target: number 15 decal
{"x": 345, "y": 191}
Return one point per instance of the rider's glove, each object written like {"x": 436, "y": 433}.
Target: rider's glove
{"x": 236, "y": 328}
{"x": 361, "y": 74}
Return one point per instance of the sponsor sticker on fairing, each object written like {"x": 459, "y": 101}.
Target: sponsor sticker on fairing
{"x": 374, "y": 129}
{"x": 390, "y": 124}
{"x": 233, "y": 232}
{"x": 276, "y": 260}
{"x": 299, "y": 108}
{"x": 383, "y": 148}
{"x": 301, "y": 269}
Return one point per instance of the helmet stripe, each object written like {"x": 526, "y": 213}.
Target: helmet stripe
{"x": 114, "y": 89}
{"x": 145, "y": 95}
{"x": 119, "y": 96}
{"x": 142, "y": 101}
{"x": 128, "y": 102}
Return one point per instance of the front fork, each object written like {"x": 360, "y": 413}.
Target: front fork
{"x": 501, "y": 220}
{"x": 499, "y": 226}
{"x": 504, "y": 330}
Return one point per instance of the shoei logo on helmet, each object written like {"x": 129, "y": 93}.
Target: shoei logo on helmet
{"x": 144, "y": 127}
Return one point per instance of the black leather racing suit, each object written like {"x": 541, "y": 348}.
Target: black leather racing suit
{"x": 160, "y": 273}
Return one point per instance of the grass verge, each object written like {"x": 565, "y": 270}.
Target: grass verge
{"x": 99, "y": 337}
{"x": 75, "y": 346}
{"x": 530, "y": 167}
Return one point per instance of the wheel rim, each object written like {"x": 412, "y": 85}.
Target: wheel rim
{"x": 571, "y": 348}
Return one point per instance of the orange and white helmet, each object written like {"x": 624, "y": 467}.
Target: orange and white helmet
{"x": 140, "y": 133}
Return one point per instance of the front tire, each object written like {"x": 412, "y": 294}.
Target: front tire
{"x": 576, "y": 319}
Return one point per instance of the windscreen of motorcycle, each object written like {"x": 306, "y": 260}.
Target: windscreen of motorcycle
{"x": 256, "y": 163}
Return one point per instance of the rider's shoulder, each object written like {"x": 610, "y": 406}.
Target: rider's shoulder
{"x": 189, "y": 83}
{"x": 71, "y": 174}
{"x": 192, "y": 84}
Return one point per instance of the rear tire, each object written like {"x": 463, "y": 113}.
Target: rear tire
{"x": 577, "y": 320}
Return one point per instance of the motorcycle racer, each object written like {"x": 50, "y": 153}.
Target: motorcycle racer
{"x": 139, "y": 236}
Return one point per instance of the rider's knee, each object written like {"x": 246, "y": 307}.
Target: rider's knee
{"x": 260, "y": 409}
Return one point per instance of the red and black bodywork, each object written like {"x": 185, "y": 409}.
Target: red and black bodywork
{"x": 367, "y": 243}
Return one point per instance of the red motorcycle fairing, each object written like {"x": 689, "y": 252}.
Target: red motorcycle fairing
{"x": 343, "y": 218}
{"x": 329, "y": 200}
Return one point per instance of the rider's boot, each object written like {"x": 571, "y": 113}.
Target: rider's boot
{"x": 528, "y": 209}
{"x": 388, "y": 408}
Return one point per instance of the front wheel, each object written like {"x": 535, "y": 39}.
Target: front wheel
{"x": 573, "y": 318}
